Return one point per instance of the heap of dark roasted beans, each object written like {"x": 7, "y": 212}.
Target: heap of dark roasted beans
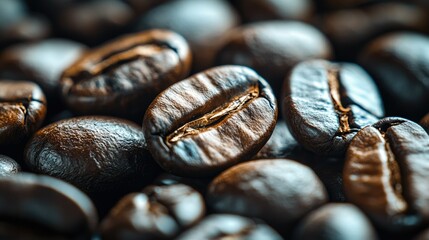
{"x": 214, "y": 119}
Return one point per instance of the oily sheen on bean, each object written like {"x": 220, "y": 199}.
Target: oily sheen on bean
{"x": 42, "y": 207}
{"x": 386, "y": 173}
{"x": 22, "y": 110}
{"x": 326, "y": 103}
{"x": 210, "y": 121}
{"x": 122, "y": 77}
{"x": 94, "y": 153}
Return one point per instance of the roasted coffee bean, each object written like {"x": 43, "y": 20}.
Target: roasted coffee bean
{"x": 280, "y": 145}
{"x": 199, "y": 184}
{"x": 336, "y": 221}
{"x": 279, "y": 191}
{"x": 385, "y": 173}
{"x": 122, "y": 77}
{"x": 400, "y": 66}
{"x": 160, "y": 212}
{"x": 260, "y": 10}
{"x": 204, "y": 25}
{"x": 22, "y": 110}
{"x": 424, "y": 235}
{"x": 41, "y": 207}
{"x": 103, "y": 19}
{"x": 8, "y": 166}
{"x": 41, "y": 62}
{"x": 351, "y": 29}
{"x": 210, "y": 121}
{"x": 226, "y": 226}
{"x": 96, "y": 154}
{"x": 17, "y": 26}
{"x": 424, "y": 122}
{"x": 325, "y": 104}
{"x": 273, "y": 48}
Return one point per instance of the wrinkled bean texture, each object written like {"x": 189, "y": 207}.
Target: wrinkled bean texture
{"x": 210, "y": 121}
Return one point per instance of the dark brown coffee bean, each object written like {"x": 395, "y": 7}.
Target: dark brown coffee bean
{"x": 386, "y": 171}
{"x": 280, "y": 145}
{"x": 160, "y": 212}
{"x": 203, "y": 24}
{"x": 210, "y": 121}
{"x": 273, "y": 48}
{"x": 325, "y": 104}
{"x": 8, "y": 166}
{"x": 22, "y": 110}
{"x": 280, "y": 192}
{"x": 336, "y": 221}
{"x": 93, "y": 22}
{"x": 351, "y": 29}
{"x": 41, "y": 62}
{"x": 424, "y": 122}
{"x": 259, "y": 10}
{"x": 400, "y": 67}
{"x": 35, "y": 204}
{"x": 226, "y": 226}
{"x": 122, "y": 77}
{"x": 96, "y": 154}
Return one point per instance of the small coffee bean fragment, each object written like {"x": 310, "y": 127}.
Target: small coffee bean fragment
{"x": 94, "y": 153}
{"x": 122, "y": 77}
{"x": 386, "y": 171}
{"x": 8, "y": 166}
{"x": 227, "y": 226}
{"x": 160, "y": 212}
{"x": 336, "y": 221}
{"x": 36, "y": 206}
{"x": 22, "y": 110}
{"x": 326, "y": 103}
{"x": 210, "y": 121}
{"x": 279, "y": 192}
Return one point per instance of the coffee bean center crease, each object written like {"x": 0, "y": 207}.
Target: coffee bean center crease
{"x": 217, "y": 115}
{"x": 335, "y": 92}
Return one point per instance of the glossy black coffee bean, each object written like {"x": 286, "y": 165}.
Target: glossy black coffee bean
{"x": 424, "y": 122}
{"x": 280, "y": 145}
{"x": 385, "y": 173}
{"x": 8, "y": 166}
{"x": 41, "y": 62}
{"x": 260, "y": 10}
{"x": 336, "y": 221}
{"x": 96, "y": 154}
{"x": 41, "y": 207}
{"x": 210, "y": 121}
{"x": 326, "y": 103}
{"x": 160, "y": 212}
{"x": 199, "y": 184}
{"x": 22, "y": 110}
{"x": 279, "y": 192}
{"x": 226, "y": 226}
{"x": 204, "y": 25}
{"x": 94, "y": 22}
{"x": 272, "y": 48}
{"x": 399, "y": 66}
{"x": 123, "y": 76}
{"x": 351, "y": 29}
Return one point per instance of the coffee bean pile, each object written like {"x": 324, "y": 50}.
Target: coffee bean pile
{"x": 214, "y": 119}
